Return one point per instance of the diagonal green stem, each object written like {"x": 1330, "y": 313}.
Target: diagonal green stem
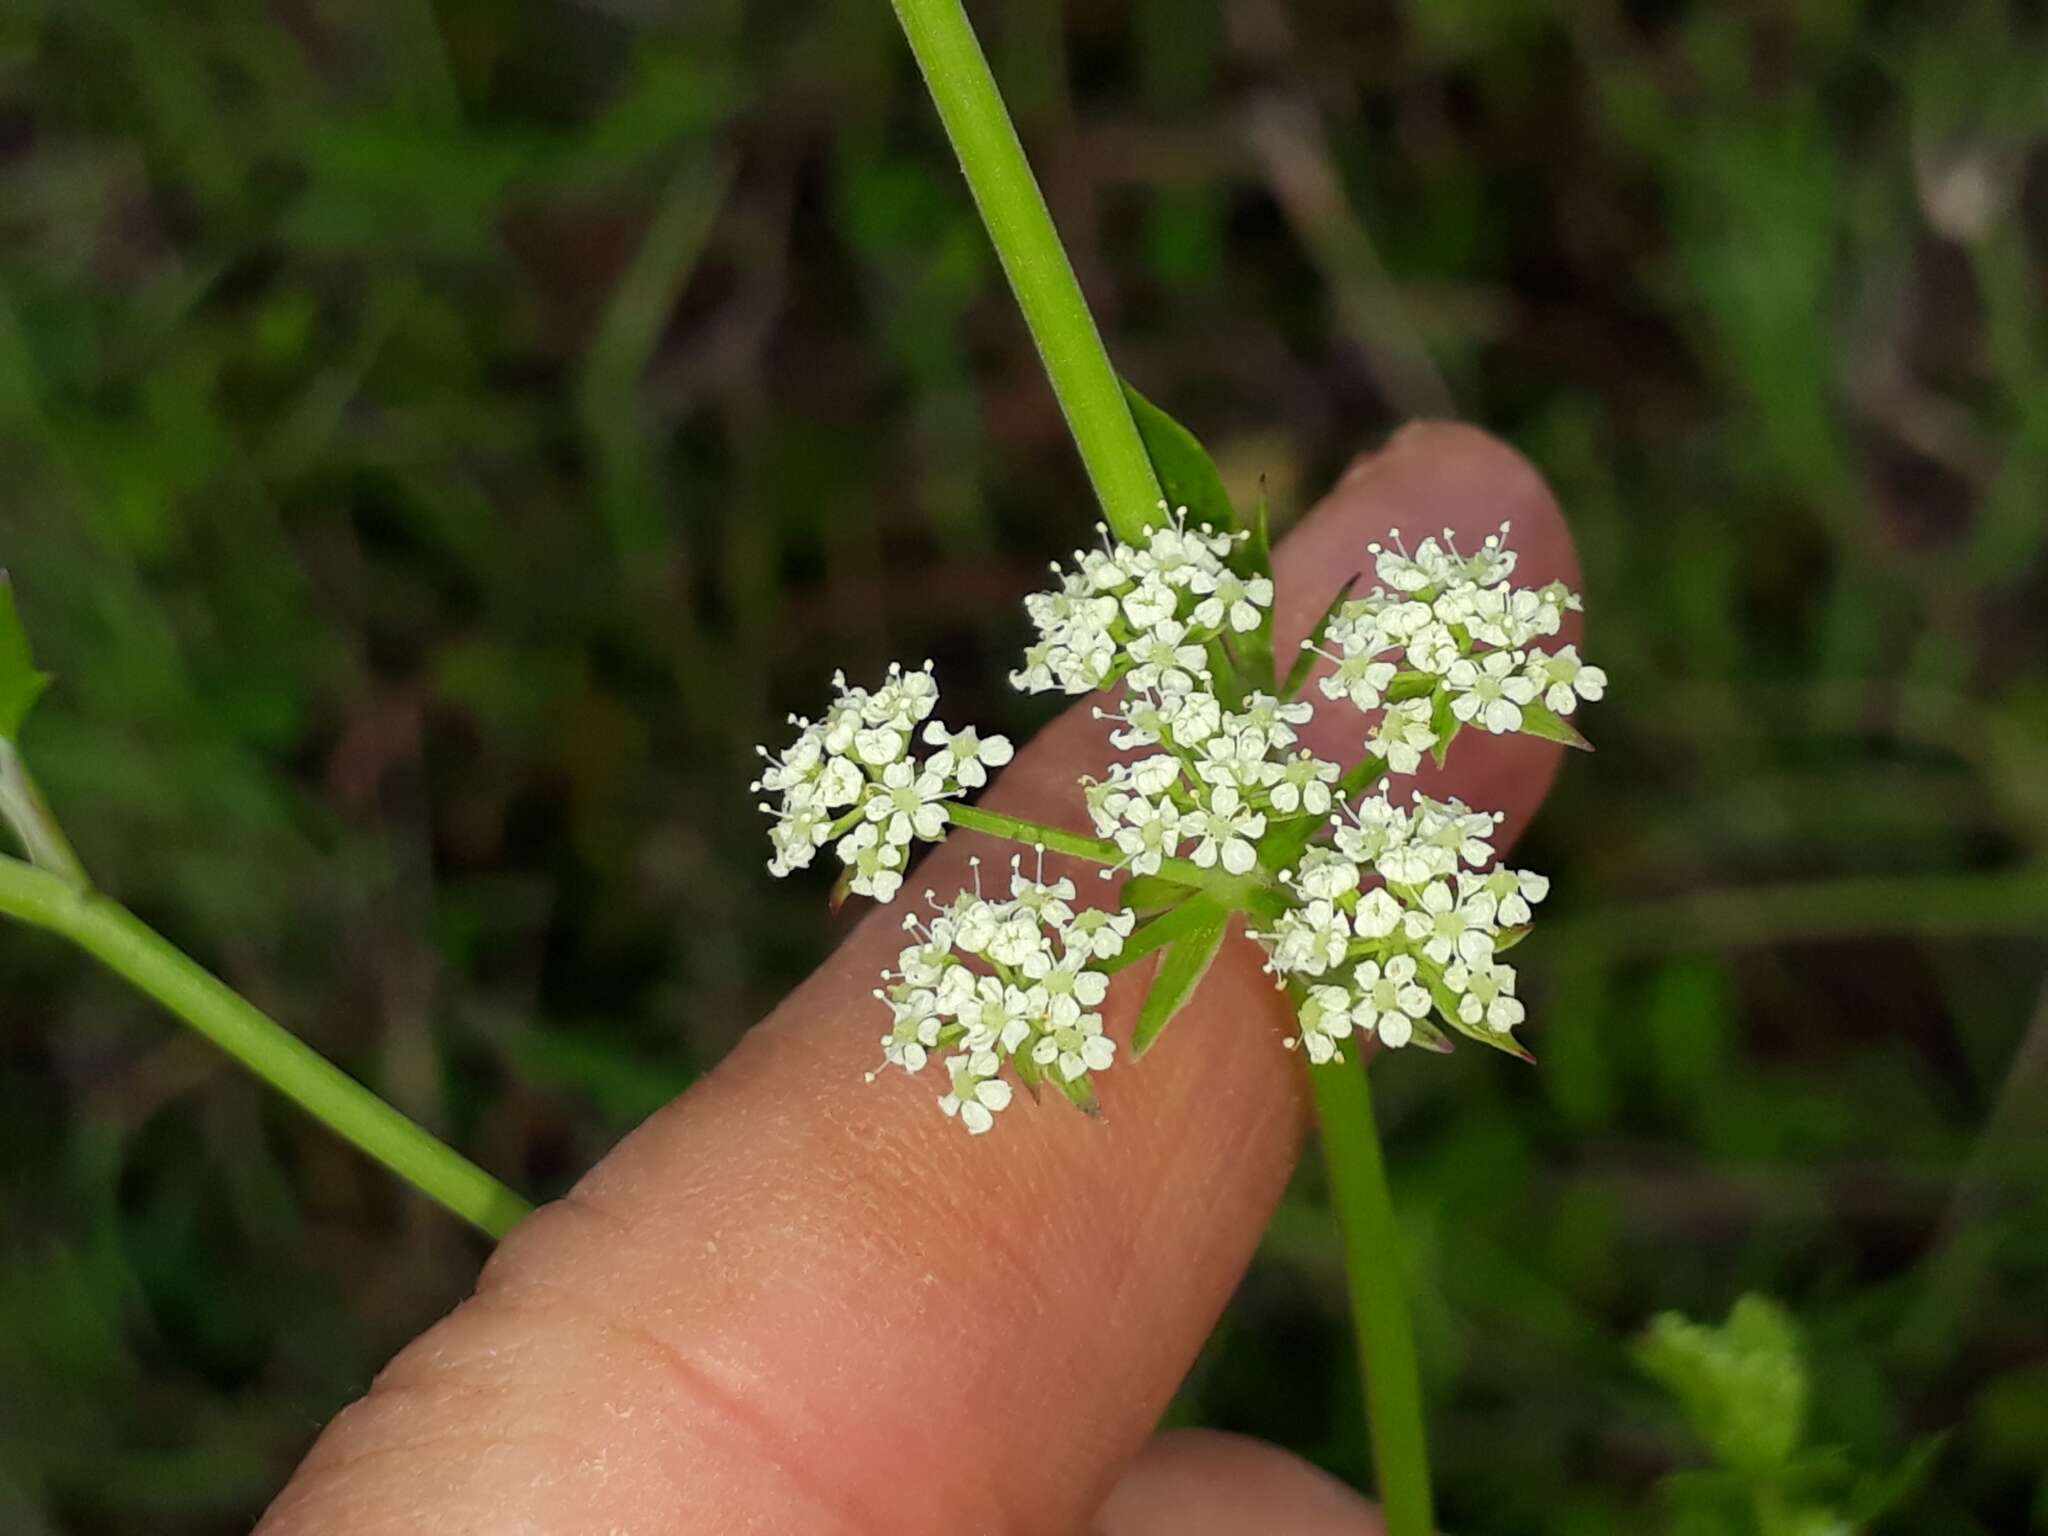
{"x": 1040, "y": 275}
{"x": 1379, "y": 1301}
{"x": 1094, "y": 849}
{"x": 120, "y": 941}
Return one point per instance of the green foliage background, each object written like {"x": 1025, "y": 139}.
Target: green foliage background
{"x": 439, "y": 437}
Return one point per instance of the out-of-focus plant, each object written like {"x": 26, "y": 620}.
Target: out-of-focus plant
{"x": 1743, "y": 1389}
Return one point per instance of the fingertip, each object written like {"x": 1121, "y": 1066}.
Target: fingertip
{"x": 1202, "y": 1482}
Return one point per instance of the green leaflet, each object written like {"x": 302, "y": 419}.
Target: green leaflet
{"x": 1186, "y": 963}
{"x": 1199, "y": 909}
{"x": 1145, "y": 893}
{"x": 1187, "y": 475}
{"x": 1411, "y": 685}
{"x": 1298, "y": 673}
{"x": 1541, "y": 721}
{"x": 20, "y": 683}
{"x": 1080, "y": 1093}
{"x": 1447, "y": 1007}
{"x": 1189, "y": 478}
{"x": 1446, "y": 725}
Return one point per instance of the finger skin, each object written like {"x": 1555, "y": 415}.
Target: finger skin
{"x": 794, "y": 1302}
{"x": 1202, "y": 1482}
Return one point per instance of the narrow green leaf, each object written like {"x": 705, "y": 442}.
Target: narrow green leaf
{"x": 1180, "y": 972}
{"x": 20, "y": 683}
{"x": 1298, "y": 673}
{"x": 1446, "y": 725}
{"x": 1540, "y": 721}
{"x": 1187, "y": 475}
{"x": 1254, "y": 557}
{"x": 1144, "y": 893}
{"x": 1198, "y": 910}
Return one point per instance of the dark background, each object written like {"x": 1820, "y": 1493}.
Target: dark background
{"x": 439, "y": 437}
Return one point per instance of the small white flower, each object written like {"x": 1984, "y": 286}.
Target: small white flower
{"x": 879, "y": 745}
{"x": 1486, "y": 995}
{"x": 1273, "y": 720}
{"x": 997, "y": 1016}
{"x": 1153, "y": 776}
{"x": 1390, "y": 1000}
{"x": 1456, "y": 829}
{"x": 1303, "y": 784}
{"x": 1449, "y": 927}
{"x": 1325, "y": 1018}
{"x": 1515, "y": 889}
{"x": 1075, "y": 1046}
{"x": 1192, "y": 718}
{"x": 1378, "y": 914}
{"x": 978, "y": 1095}
{"x": 1162, "y": 658}
{"x": 1308, "y": 940}
{"x": 1068, "y": 984}
{"x": 1565, "y": 679}
{"x": 1490, "y": 693}
{"x": 1151, "y": 834}
{"x": 904, "y": 698}
{"x": 1358, "y": 678}
{"x": 1325, "y": 873}
{"x": 915, "y": 1029}
{"x": 877, "y": 865}
{"x": 911, "y": 804}
{"x": 1099, "y": 932}
{"x": 1225, "y": 832}
{"x": 1403, "y": 735}
{"x": 1150, "y": 605}
{"x": 1228, "y": 598}
{"x": 966, "y": 756}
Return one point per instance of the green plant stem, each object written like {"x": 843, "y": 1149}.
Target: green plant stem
{"x": 1379, "y": 1301}
{"x": 125, "y": 945}
{"x": 1040, "y": 275}
{"x": 23, "y": 808}
{"x": 1031, "y": 833}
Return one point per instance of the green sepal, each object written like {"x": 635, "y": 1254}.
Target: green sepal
{"x": 1180, "y": 973}
{"x": 1080, "y": 1093}
{"x": 1187, "y": 475}
{"x": 1446, "y": 726}
{"x": 1425, "y": 1034}
{"x": 1199, "y": 909}
{"x": 20, "y": 683}
{"x": 1508, "y": 938}
{"x": 1546, "y": 724}
{"x": 1410, "y": 685}
{"x": 1147, "y": 893}
{"x": 1029, "y": 1073}
{"x": 1298, "y": 673}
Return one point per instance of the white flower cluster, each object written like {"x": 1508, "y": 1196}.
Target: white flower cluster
{"x": 1144, "y": 611}
{"x": 852, "y": 776}
{"x": 1385, "y": 920}
{"x": 1377, "y": 962}
{"x": 1219, "y": 781}
{"x": 1031, "y": 998}
{"x": 1444, "y": 622}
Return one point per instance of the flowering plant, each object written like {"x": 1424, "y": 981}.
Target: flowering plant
{"x": 1384, "y": 916}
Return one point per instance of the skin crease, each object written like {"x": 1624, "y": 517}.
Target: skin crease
{"x": 791, "y": 1301}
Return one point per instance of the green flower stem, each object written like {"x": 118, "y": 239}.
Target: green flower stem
{"x": 1094, "y": 849}
{"x": 23, "y": 808}
{"x": 1379, "y": 1304}
{"x": 1040, "y": 275}
{"x": 121, "y": 942}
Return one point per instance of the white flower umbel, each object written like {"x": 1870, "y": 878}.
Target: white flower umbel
{"x": 1382, "y": 917}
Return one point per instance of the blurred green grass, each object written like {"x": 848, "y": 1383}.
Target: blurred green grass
{"x": 438, "y": 439}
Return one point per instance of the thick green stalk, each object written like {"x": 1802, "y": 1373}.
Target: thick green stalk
{"x": 1379, "y": 1302}
{"x": 1040, "y": 275}
{"x": 120, "y": 941}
